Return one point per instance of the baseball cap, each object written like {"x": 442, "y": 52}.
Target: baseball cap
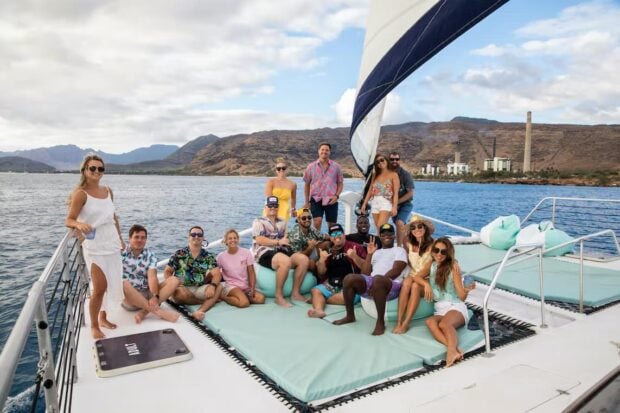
{"x": 386, "y": 228}
{"x": 335, "y": 228}
{"x": 271, "y": 200}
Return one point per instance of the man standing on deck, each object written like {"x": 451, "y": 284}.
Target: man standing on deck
{"x": 271, "y": 248}
{"x": 323, "y": 182}
{"x": 405, "y": 198}
{"x": 140, "y": 284}
{"x": 386, "y": 266}
{"x": 193, "y": 273}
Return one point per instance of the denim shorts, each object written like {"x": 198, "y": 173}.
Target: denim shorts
{"x": 403, "y": 212}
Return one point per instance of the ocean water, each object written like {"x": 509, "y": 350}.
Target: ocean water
{"x": 33, "y": 208}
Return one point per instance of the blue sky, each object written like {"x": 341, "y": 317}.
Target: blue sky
{"x": 115, "y": 75}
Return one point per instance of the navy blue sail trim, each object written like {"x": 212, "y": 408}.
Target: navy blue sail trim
{"x": 437, "y": 28}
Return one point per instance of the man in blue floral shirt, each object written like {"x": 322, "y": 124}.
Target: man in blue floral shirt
{"x": 194, "y": 274}
{"x": 140, "y": 284}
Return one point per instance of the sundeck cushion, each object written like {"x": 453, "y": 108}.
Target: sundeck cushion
{"x": 561, "y": 278}
{"x": 425, "y": 309}
{"x": 313, "y": 359}
{"x": 266, "y": 282}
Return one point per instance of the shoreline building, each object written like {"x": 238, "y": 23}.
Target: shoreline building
{"x": 458, "y": 168}
{"x": 497, "y": 164}
{"x": 430, "y": 170}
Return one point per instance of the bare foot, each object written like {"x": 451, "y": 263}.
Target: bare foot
{"x": 400, "y": 329}
{"x": 451, "y": 357}
{"x": 171, "y": 316}
{"x": 283, "y": 303}
{"x": 140, "y": 316}
{"x": 461, "y": 354}
{"x": 379, "y": 329}
{"x": 345, "y": 320}
{"x": 97, "y": 333}
{"x": 298, "y": 297}
{"x": 198, "y": 315}
{"x": 316, "y": 313}
{"x": 104, "y": 322}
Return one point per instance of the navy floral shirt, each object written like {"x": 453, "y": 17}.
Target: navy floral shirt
{"x": 192, "y": 271}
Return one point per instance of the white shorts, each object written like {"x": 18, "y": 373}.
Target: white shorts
{"x": 378, "y": 204}
{"x": 443, "y": 307}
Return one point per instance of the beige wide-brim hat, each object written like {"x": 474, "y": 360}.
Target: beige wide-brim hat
{"x": 430, "y": 227}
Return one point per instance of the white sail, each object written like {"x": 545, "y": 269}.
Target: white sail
{"x": 401, "y": 35}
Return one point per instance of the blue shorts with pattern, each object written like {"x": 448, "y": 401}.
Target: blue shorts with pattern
{"x": 328, "y": 290}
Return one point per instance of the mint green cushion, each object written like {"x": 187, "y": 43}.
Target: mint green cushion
{"x": 601, "y": 285}
{"x": 501, "y": 233}
{"x": 555, "y": 237}
{"x": 425, "y": 309}
{"x": 266, "y": 282}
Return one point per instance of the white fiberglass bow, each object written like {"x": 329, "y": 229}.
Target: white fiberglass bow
{"x": 401, "y": 35}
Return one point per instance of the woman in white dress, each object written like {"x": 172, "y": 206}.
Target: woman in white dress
{"x": 91, "y": 214}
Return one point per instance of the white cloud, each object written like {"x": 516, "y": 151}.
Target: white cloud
{"x": 565, "y": 68}
{"x": 124, "y": 73}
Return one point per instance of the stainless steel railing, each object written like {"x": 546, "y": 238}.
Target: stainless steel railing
{"x": 57, "y": 319}
{"x": 485, "y": 304}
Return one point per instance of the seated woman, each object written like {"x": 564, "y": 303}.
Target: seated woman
{"x": 237, "y": 265}
{"x": 418, "y": 245}
{"x": 442, "y": 283}
{"x": 381, "y": 195}
{"x": 284, "y": 189}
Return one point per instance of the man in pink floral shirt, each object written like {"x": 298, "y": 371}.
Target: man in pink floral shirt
{"x": 322, "y": 186}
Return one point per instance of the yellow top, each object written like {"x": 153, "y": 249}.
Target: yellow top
{"x": 284, "y": 197}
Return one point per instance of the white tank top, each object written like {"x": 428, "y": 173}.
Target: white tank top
{"x": 99, "y": 214}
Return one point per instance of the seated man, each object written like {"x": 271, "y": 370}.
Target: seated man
{"x": 272, "y": 250}
{"x": 193, "y": 273}
{"x": 305, "y": 238}
{"x": 386, "y": 266}
{"x": 140, "y": 284}
{"x": 343, "y": 259}
{"x": 362, "y": 236}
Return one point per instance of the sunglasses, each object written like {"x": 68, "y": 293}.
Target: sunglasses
{"x": 416, "y": 226}
{"x": 280, "y": 168}
{"x": 378, "y": 161}
{"x": 196, "y": 234}
{"x": 99, "y": 169}
{"x": 305, "y": 218}
{"x": 442, "y": 251}
{"x": 394, "y": 159}
{"x": 272, "y": 205}
{"x": 336, "y": 234}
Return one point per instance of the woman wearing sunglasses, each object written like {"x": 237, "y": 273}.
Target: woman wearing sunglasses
{"x": 284, "y": 189}
{"x": 418, "y": 243}
{"x": 442, "y": 283}
{"x": 381, "y": 195}
{"x": 91, "y": 214}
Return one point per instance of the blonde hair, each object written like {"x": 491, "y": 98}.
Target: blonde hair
{"x": 89, "y": 157}
{"x": 281, "y": 159}
{"x": 228, "y": 232}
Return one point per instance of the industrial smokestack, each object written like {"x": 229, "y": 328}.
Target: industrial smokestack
{"x": 457, "y": 154}
{"x": 527, "y": 152}
{"x": 494, "y": 147}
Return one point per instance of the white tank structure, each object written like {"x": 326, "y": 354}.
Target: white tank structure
{"x": 527, "y": 153}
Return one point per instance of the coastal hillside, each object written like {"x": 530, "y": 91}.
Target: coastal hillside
{"x": 561, "y": 147}
{"x": 69, "y": 157}
{"x": 19, "y": 164}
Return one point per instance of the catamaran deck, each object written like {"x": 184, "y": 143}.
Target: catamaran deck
{"x": 544, "y": 372}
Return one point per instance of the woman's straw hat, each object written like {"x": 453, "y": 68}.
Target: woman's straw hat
{"x": 430, "y": 227}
